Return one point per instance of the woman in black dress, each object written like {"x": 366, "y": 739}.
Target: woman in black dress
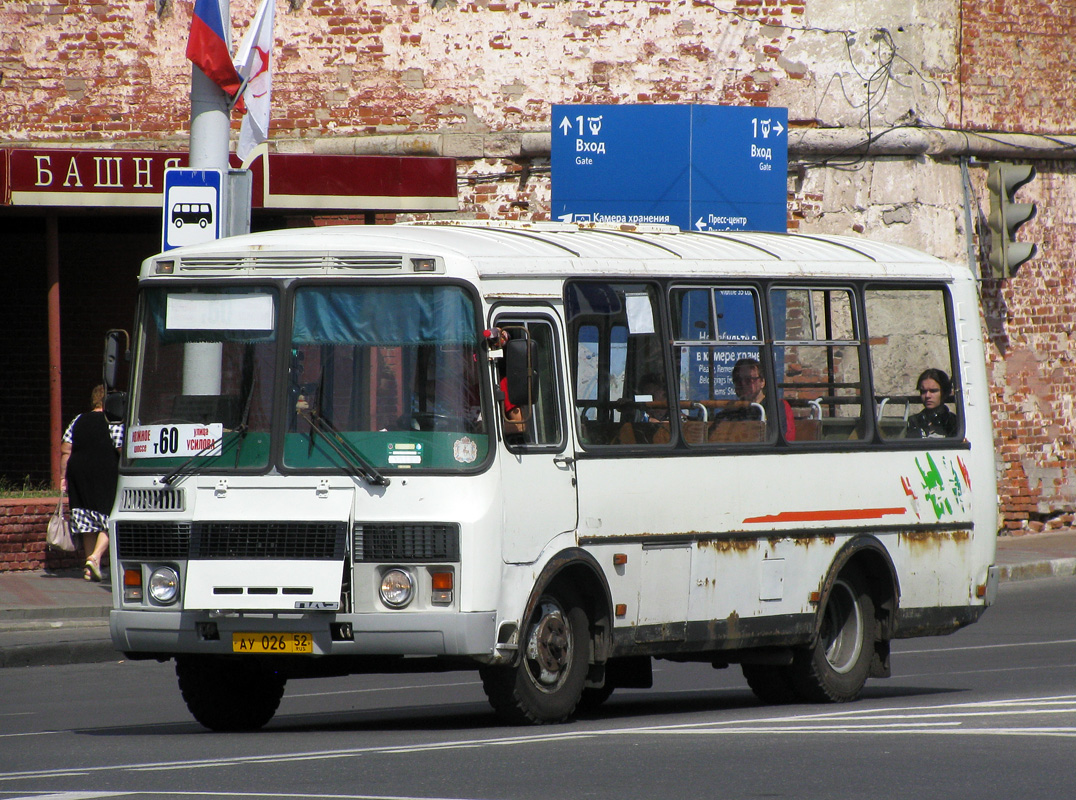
{"x": 89, "y": 467}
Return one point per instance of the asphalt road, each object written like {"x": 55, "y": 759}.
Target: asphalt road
{"x": 987, "y": 712}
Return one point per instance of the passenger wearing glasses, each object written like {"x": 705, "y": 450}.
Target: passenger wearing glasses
{"x": 750, "y": 387}
{"x": 935, "y": 421}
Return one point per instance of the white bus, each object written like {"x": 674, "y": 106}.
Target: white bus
{"x": 549, "y": 453}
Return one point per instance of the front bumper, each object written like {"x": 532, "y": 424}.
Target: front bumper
{"x": 166, "y": 633}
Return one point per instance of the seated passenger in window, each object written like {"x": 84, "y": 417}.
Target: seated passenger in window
{"x": 750, "y": 388}
{"x": 657, "y": 408}
{"x": 935, "y": 421}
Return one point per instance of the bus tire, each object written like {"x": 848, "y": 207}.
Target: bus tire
{"x": 771, "y": 683}
{"x": 226, "y": 695}
{"x": 546, "y": 685}
{"x": 835, "y": 668}
{"x": 593, "y": 698}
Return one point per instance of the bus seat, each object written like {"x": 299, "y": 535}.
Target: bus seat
{"x": 600, "y": 432}
{"x": 748, "y": 430}
{"x": 626, "y": 435}
{"x": 642, "y": 433}
{"x": 808, "y": 430}
{"x": 693, "y": 430}
{"x": 893, "y": 427}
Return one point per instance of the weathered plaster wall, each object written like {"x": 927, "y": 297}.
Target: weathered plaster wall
{"x": 476, "y": 80}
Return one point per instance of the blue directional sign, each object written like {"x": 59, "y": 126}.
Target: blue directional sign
{"x": 192, "y": 206}
{"x": 695, "y": 166}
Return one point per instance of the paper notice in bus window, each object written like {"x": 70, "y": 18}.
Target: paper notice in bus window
{"x": 160, "y": 441}
{"x": 640, "y": 313}
{"x": 403, "y": 454}
{"x": 220, "y": 312}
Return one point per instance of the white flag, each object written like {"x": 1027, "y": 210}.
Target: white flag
{"x": 253, "y": 62}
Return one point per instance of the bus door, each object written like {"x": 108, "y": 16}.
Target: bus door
{"x": 536, "y": 460}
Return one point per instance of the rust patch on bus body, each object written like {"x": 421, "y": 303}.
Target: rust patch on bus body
{"x": 724, "y": 545}
{"x": 807, "y": 541}
{"x": 918, "y": 540}
{"x": 733, "y": 622}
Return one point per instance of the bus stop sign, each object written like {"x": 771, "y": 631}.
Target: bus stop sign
{"x": 703, "y": 168}
{"x": 192, "y": 206}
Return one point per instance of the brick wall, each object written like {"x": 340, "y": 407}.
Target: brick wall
{"x": 22, "y": 537}
{"x": 485, "y": 73}
{"x": 1031, "y": 350}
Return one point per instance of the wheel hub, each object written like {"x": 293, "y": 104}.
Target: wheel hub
{"x": 548, "y": 646}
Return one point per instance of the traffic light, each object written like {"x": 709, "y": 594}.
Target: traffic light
{"x": 1006, "y": 216}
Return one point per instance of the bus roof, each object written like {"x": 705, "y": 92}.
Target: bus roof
{"x": 501, "y": 250}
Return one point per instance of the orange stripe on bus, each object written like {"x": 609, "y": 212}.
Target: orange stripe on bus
{"x": 825, "y": 516}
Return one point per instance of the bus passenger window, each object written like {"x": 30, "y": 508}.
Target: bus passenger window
{"x": 910, "y": 339}
{"x": 816, "y": 362}
{"x": 615, "y": 342}
{"x": 723, "y": 397}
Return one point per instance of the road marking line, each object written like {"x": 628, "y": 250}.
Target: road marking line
{"x": 846, "y": 720}
{"x": 981, "y": 647}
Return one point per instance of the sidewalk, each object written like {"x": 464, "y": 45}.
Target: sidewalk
{"x": 56, "y": 617}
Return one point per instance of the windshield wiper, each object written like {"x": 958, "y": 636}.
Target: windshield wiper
{"x": 343, "y": 447}
{"x": 182, "y": 471}
{"x": 242, "y": 429}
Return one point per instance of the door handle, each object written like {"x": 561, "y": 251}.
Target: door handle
{"x": 563, "y": 461}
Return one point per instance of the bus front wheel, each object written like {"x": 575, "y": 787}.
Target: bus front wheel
{"x": 835, "y": 669}
{"x": 546, "y": 685}
{"x": 229, "y": 695}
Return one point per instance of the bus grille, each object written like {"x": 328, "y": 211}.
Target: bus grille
{"x": 153, "y": 540}
{"x": 152, "y": 500}
{"x": 407, "y": 542}
{"x": 297, "y": 262}
{"x": 247, "y": 540}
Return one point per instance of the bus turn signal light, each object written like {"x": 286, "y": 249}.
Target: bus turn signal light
{"x": 442, "y": 588}
{"x": 132, "y": 585}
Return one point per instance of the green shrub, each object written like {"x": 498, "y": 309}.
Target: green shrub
{"x": 25, "y": 488}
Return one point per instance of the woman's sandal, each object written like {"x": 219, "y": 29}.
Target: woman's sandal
{"x": 92, "y": 571}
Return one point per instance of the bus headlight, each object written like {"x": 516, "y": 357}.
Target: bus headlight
{"x": 164, "y": 585}
{"x": 397, "y": 588}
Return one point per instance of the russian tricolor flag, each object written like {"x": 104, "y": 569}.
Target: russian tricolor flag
{"x": 208, "y": 48}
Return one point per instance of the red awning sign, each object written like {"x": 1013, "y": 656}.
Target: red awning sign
{"x": 284, "y": 181}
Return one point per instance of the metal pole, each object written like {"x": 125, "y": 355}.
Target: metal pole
{"x": 52, "y": 269}
{"x": 210, "y": 127}
{"x": 210, "y": 119}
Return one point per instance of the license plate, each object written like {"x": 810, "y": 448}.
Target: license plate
{"x": 272, "y": 643}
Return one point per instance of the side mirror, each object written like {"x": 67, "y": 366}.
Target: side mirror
{"x": 117, "y": 344}
{"x": 116, "y": 406}
{"x": 520, "y": 368}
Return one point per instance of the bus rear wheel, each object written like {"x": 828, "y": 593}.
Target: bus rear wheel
{"x": 835, "y": 669}
{"x": 229, "y": 695}
{"x": 546, "y": 685}
{"x": 771, "y": 683}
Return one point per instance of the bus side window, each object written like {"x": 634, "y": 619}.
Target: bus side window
{"x": 724, "y": 396}
{"x": 816, "y": 361}
{"x": 909, "y": 333}
{"x": 615, "y": 342}
{"x": 538, "y": 423}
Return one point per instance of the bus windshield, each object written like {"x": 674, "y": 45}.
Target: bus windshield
{"x": 388, "y": 372}
{"x": 376, "y": 376}
{"x": 206, "y": 377}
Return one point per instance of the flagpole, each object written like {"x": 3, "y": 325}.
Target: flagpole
{"x": 210, "y": 117}
{"x": 210, "y": 126}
